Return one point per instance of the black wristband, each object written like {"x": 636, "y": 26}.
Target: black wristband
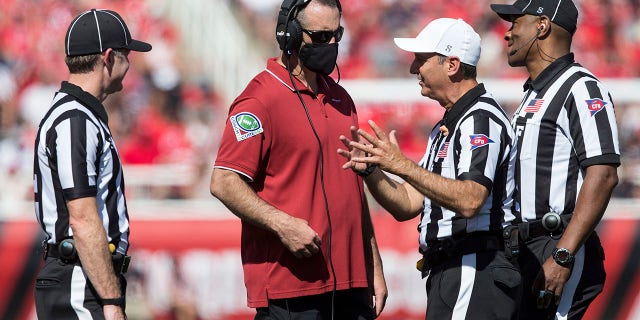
{"x": 369, "y": 170}
{"x": 113, "y": 302}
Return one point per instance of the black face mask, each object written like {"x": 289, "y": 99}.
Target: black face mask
{"x": 319, "y": 57}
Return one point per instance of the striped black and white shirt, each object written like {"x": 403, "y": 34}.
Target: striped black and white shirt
{"x": 564, "y": 124}
{"x": 75, "y": 157}
{"x": 480, "y": 146}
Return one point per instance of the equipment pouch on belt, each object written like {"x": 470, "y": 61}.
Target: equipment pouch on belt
{"x": 552, "y": 222}
{"x": 120, "y": 263}
{"x": 67, "y": 250}
{"x": 510, "y": 235}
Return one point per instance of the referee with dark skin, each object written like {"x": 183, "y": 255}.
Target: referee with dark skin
{"x": 561, "y": 94}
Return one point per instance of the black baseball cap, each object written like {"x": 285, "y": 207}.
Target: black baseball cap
{"x": 561, "y": 12}
{"x": 95, "y": 31}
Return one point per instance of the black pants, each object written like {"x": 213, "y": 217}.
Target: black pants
{"x": 480, "y": 286}
{"x": 352, "y": 304}
{"x": 63, "y": 291}
{"x": 584, "y": 285}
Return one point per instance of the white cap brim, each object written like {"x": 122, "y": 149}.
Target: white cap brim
{"x": 412, "y": 45}
{"x": 445, "y": 36}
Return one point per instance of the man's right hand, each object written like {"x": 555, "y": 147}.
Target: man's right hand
{"x": 298, "y": 237}
{"x": 113, "y": 313}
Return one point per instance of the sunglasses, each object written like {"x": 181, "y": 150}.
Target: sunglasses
{"x": 324, "y": 36}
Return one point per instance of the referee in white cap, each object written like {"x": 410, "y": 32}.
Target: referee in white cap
{"x": 462, "y": 188}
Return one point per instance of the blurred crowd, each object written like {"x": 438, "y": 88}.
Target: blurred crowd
{"x": 607, "y": 41}
{"x": 165, "y": 118}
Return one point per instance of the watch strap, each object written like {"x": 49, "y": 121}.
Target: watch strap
{"x": 119, "y": 301}
{"x": 368, "y": 171}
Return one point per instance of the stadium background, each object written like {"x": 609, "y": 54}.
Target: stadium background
{"x": 168, "y": 120}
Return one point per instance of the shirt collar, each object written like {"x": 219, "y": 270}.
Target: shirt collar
{"x": 282, "y": 75}
{"x": 467, "y": 100}
{"x": 86, "y": 99}
{"x": 549, "y": 73}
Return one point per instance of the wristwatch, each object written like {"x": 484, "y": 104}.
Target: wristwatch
{"x": 368, "y": 171}
{"x": 563, "y": 257}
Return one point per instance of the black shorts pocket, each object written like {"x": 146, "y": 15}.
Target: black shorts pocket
{"x": 506, "y": 276}
{"x": 507, "y": 292}
{"x": 47, "y": 282}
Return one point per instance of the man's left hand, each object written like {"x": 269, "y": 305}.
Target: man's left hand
{"x": 551, "y": 278}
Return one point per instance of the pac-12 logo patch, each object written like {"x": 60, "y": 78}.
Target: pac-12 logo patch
{"x": 595, "y": 105}
{"x": 479, "y": 140}
{"x": 245, "y": 125}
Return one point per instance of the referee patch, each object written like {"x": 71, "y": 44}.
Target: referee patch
{"x": 245, "y": 125}
{"x": 479, "y": 140}
{"x": 595, "y": 105}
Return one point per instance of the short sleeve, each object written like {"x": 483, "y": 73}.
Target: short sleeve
{"x": 74, "y": 148}
{"x": 246, "y": 138}
{"x": 481, "y": 148}
{"x": 592, "y": 124}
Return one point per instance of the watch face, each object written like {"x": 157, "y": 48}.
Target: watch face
{"x": 562, "y": 255}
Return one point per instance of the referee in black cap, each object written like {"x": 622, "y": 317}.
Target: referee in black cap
{"x": 78, "y": 179}
{"x": 566, "y": 168}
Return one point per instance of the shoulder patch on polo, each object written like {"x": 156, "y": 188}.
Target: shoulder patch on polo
{"x": 245, "y": 125}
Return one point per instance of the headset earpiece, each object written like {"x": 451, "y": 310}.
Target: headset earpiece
{"x": 295, "y": 36}
{"x": 288, "y": 30}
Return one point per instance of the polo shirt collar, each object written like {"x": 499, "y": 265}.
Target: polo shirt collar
{"x": 282, "y": 74}
{"x": 465, "y": 102}
{"x": 86, "y": 99}
{"x": 549, "y": 73}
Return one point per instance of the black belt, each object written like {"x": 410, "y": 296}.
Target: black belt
{"x": 438, "y": 251}
{"x": 534, "y": 228}
{"x": 119, "y": 260}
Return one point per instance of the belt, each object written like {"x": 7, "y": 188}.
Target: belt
{"x": 438, "y": 251}
{"x": 120, "y": 261}
{"x": 534, "y": 228}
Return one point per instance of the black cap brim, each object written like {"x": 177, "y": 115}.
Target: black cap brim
{"x": 136, "y": 45}
{"x": 506, "y": 11}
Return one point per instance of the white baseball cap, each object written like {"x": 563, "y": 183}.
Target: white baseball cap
{"x": 448, "y": 37}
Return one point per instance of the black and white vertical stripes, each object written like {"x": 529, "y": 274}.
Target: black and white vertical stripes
{"x": 573, "y": 127}
{"x": 479, "y": 146}
{"x": 75, "y": 157}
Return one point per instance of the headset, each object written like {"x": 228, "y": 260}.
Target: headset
{"x": 540, "y": 29}
{"x": 288, "y": 29}
{"x": 289, "y": 37}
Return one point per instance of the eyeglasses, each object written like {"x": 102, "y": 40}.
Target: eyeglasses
{"x": 324, "y": 36}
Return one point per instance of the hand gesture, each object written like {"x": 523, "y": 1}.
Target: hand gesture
{"x": 382, "y": 150}
{"x": 352, "y": 152}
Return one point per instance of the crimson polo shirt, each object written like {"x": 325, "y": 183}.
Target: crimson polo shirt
{"x": 268, "y": 140}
